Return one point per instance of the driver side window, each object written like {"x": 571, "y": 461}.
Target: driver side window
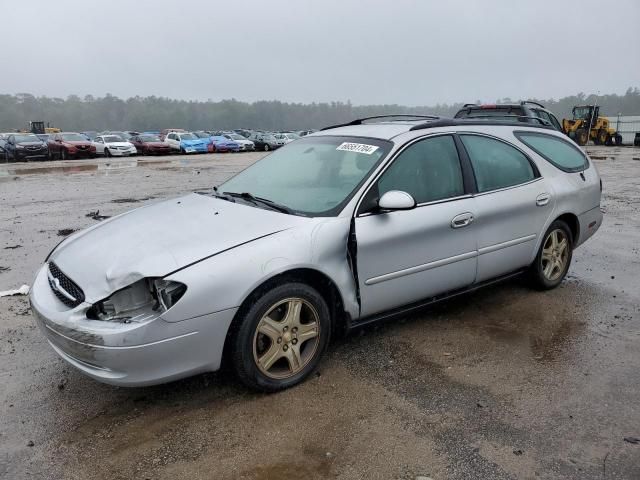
{"x": 429, "y": 170}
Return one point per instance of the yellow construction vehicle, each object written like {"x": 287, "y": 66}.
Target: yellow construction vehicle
{"x": 587, "y": 124}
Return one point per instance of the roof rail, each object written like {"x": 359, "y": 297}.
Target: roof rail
{"x": 360, "y": 121}
{"x": 533, "y": 103}
{"x": 511, "y": 120}
{"x": 469, "y": 105}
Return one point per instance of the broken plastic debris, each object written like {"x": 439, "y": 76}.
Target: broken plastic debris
{"x": 23, "y": 290}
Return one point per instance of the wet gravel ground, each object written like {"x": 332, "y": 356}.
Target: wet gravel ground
{"x": 502, "y": 383}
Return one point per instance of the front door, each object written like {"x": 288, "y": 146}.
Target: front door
{"x": 406, "y": 256}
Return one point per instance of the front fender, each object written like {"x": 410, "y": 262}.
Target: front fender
{"x": 224, "y": 281}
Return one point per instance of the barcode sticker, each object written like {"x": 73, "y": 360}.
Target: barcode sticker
{"x": 357, "y": 147}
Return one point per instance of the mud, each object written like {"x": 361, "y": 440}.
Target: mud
{"x": 503, "y": 383}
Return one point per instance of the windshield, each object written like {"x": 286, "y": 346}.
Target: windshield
{"x": 201, "y": 135}
{"x": 26, "y": 138}
{"x": 74, "y": 137}
{"x": 112, "y": 139}
{"x": 234, "y": 136}
{"x": 188, "y": 136}
{"x": 150, "y": 138}
{"x": 313, "y": 176}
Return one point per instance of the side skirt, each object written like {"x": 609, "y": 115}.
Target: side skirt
{"x": 396, "y": 312}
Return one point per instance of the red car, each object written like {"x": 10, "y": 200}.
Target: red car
{"x": 147, "y": 144}
{"x": 67, "y": 145}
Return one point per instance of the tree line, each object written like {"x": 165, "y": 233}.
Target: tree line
{"x": 154, "y": 113}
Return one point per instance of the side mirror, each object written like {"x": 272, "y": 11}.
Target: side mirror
{"x": 396, "y": 200}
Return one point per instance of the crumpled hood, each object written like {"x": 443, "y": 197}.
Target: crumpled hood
{"x": 160, "y": 238}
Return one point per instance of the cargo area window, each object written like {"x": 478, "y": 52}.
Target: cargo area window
{"x": 557, "y": 151}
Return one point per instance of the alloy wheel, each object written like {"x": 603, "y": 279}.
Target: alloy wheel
{"x": 286, "y": 338}
{"x": 555, "y": 254}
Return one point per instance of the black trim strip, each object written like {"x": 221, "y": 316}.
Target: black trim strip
{"x": 393, "y": 313}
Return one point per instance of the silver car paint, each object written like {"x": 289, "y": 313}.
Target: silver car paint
{"x": 222, "y": 251}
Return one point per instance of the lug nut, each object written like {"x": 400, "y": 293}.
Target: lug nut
{"x": 285, "y": 347}
{"x": 294, "y": 341}
{"x": 294, "y": 329}
{"x": 279, "y": 339}
{"x": 285, "y": 329}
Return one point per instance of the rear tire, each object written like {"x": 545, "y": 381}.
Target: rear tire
{"x": 278, "y": 338}
{"x": 266, "y": 147}
{"x": 554, "y": 257}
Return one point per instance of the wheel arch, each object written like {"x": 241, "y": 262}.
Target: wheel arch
{"x": 316, "y": 279}
{"x": 574, "y": 225}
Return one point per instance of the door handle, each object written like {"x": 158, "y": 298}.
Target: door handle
{"x": 462, "y": 220}
{"x": 543, "y": 199}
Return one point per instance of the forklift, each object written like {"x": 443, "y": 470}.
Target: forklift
{"x": 587, "y": 124}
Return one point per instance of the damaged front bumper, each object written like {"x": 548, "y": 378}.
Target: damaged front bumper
{"x": 134, "y": 354}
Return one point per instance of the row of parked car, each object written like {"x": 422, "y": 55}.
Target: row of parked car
{"x": 66, "y": 145}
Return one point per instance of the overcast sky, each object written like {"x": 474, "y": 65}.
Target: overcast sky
{"x": 411, "y": 52}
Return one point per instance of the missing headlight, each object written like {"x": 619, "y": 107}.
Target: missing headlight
{"x": 168, "y": 293}
{"x": 141, "y": 301}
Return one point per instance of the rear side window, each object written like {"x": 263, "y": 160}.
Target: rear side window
{"x": 496, "y": 164}
{"x": 557, "y": 151}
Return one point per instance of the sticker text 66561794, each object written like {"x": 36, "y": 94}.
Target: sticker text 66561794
{"x": 357, "y": 148}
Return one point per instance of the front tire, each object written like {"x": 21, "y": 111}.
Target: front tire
{"x": 554, "y": 257}
{"x": 63, "y": 154}
{"x": 582, "y": 137}
{"x": 107, "y": 153}
{"x": 279, "y": 338}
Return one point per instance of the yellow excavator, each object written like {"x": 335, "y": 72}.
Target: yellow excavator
{"x": 587, "y": 124}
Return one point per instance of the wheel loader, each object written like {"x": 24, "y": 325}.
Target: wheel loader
{"x": 587, "y": 124}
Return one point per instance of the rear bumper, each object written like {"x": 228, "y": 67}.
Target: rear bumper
{"x": 129, "y": 354}
{"x": 589, "y": 223}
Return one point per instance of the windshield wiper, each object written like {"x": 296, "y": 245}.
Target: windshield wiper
{"x": 257, "y": 200}
{"x": 222, "y": 196}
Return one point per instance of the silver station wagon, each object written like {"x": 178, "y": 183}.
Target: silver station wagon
{"x": 343, "y": 227}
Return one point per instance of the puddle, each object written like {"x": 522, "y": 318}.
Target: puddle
{"x": 44, "y": 170}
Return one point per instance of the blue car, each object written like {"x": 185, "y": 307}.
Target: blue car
{"x": 186, "y": 142}
{"x": 223, "y": 144}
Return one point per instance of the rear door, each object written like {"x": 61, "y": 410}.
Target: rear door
{"x": 409, "y": 255}
{"x": 512, "y": 204}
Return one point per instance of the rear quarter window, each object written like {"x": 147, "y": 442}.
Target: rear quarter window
{"x": 557, "y": 151}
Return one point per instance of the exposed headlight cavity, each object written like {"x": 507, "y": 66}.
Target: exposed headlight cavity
{"x": 139, "y": 302}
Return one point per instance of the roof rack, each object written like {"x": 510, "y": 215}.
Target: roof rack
{"x": 533, "y": 103}
{"x": 511, "y": 120}
{"x": 360, "y": 121}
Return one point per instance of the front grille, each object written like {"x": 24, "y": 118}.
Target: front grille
{"x": 67, "y": 285}
{"x": 82, "y": 147}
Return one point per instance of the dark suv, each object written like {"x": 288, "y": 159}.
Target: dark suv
{"x": 523, "y": 110}
{"x": 25, "y": 146}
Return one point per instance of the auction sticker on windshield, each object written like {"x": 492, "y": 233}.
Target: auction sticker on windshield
{"x": 357, "y": 147}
